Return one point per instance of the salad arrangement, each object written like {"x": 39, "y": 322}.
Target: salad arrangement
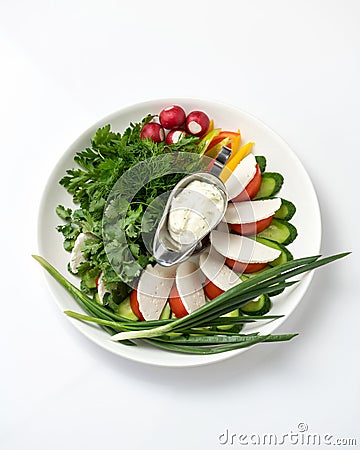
{"x": 201, "y": 305}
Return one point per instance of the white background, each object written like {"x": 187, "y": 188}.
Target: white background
{"x": 64, "y": 65}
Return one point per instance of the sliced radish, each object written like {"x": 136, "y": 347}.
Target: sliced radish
{"x": 241, "y": 248}
{"x": 154, "y": 131}
{"x": 242, "y": 175}
{"x": 213, "y": 266}
{"x": 174, "y": 136}
{"x": 101, "y": 288}
{"x": 189, "y": 286}
{"x": 76, "y": 256}
{"x": 153, "y": 290}
{"x": 172, "y": 117}
{"x": 251, "y": 217}
{"x": 197, "y": 123}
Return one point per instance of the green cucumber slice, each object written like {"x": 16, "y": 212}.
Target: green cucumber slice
{"x": 286, "y": 210}
{"x": 271, "y": 183}
{"x": 235, "y": 313}
{"x": 166, "y": 312}
{"x": 285, "y": 254}
{"x": 124, "y": 310}
{"x": 258, "y": 307}
{"x": 279, "y": 231}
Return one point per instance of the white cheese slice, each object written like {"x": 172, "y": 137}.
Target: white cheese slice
{"x": 101, "y": 288}
{"x": 189, "y": 286}
{"x": 76, "y": 256}
{"x": 153, "y": 290}
{"x": 243, "y": 173}
{"x": 213, "y": 266}
{"x": 241, "y": 248}
{"x": 251, "y": 211}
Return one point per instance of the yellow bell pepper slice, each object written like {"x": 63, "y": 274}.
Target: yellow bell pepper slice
{"x": 235, "y": 159}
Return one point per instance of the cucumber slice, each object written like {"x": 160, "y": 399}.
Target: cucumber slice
{"x": 271, "y": 183}
{"x": 258, "y": 307}
{"x": 235, "y": 313}
{"x": 286, "y": 210}
{"x": 96, "y": 298}
{"x": 89, "y": 278}
{"x": 124, "y": 310}
{"x": 285, "y": 254}
{"x": 279, "y": 231}
{"x": 261, "y": 161}
{"x": 166, "y": 312}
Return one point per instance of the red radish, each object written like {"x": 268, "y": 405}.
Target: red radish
{"x": 197, "y": 123}
{"x": 251, "y": 189}
{"x": 154, "y": 131}
{"x": 174, "y": 136}
{"x": 176, "y": 305}
{"x": 245, "y": 267}
{"x": 135, "y": 305}
{"x": 249, "y": 229}
{"x": 172, "y": 117}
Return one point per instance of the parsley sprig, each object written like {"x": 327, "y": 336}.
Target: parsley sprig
{"x": 99, "y": 166}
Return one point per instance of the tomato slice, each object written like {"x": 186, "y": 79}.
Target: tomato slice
{"x": 249, "y": 229}
{"x": 244, "y": 267}
{"x": 134, "y": 303}
{"x": 211, "y": 290}
{"x": 176, "y": 305}
{"x": 251, "y": 189}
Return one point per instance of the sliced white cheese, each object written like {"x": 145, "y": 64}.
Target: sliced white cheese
{"x": 76, "y": 256}
{"x": 101, "y": 288}
{"x": 241, "y": 176}
{"x": 213, "y": 266}
{"x": 251, "y": 211}
{"x": 189, "y": 286}
{"x": 241, "y": 248}
{"x": 153, "y": 290}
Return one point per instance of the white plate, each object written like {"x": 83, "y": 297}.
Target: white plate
{"x": 297, "y": 188}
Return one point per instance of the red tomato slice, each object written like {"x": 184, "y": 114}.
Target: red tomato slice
{"x": 176, "y": 305}
{"x": 211, "y": 290}
{"x": 135, "y": 305}
{"x": 249, "y": 229}
{"x": 251, "y": 189}
{"x": 244, "y": 267}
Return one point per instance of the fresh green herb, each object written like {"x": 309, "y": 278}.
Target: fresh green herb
{"x": 108, "y": 157}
